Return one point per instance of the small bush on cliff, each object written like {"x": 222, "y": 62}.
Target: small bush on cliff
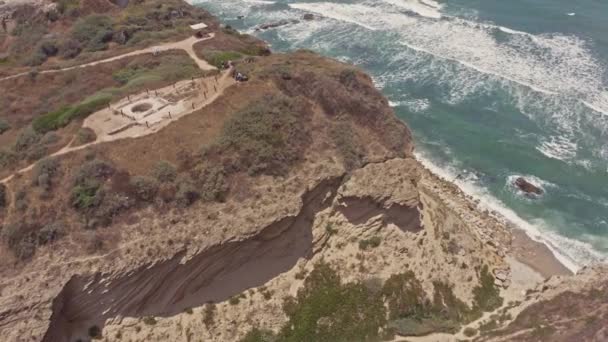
{"x": 44, "y": 172}
{"x": 372, "y": 242}
{"x": 164, "y": 171}
{"x": 28, "y": 138}
{"x": 3, "y": 196}
{"x": 4, "y": 125}
{"x": 145, "y": 187}
{"x": 212, "y": 183}
{"x": 187, "y": 192}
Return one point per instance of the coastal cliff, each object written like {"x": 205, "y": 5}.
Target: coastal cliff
{"x": 286, "y": 208}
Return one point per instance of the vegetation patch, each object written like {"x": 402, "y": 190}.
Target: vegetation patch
{"x": 61, "y": 117}
{"x": 267, "y": 137}
{"x": 411, "y": 313}
{"x": 327, "y": 310}
{"x": 372, "y": 242}
{"x": 4, "y": 125}
{"x": 218, "y": 58}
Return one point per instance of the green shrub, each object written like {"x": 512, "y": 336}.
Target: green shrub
{"x": 90, "y": 27}
{"x": 93, "y": 169}
{"x": 44, "y": 171}
{"x": 21, "y": 239}
{"x": 51, "y": 232}
{"x": 212, "y": 183}
{"x": 3, "y": 197}
{"x": 21, "y": 200}
{"x": 209, "y": 314}
{"x": 486, "y": 294}
{"x": 145, "y": 187}
{"x": 28, "y": 138}
{"x": 36, "y": 58}
{"x": 85, "y": 135}
{"x": 69, "y": 48}
{"x": 187, "y": 193}
{"x": 149, "y": 320}
{"x": 61, "y": 117}
{"x": 218, "y": 58}
{"x": 405, "y": 296}
{"x": 470, "y": 332}
{"x": 4, "y": 125}
{"x": 372, "y": 242}
{"x": 257, "y": 335}
{"x": 234, "y": 300}
{"x": 87, "y": 194}
{"x": 327, "y": 310}
{"x": 7, "y": 158}
{"x": 164, "y": 171}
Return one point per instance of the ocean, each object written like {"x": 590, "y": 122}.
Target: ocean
{"x": 492, "y": 89}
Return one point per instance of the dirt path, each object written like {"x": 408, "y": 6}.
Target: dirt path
{"x": 203, "y": 91}
{"x": 186, "y": 45}
{"x": 95, "y": 120}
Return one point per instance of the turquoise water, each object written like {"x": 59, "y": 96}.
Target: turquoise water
{"x": 492, "y": 90}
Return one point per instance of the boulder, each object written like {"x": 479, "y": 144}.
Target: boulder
{"x": 308, "y": 16}
{"x": 528, "y": 187}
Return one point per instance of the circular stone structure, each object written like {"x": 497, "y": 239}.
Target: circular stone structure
{"x": 141, "y": 107}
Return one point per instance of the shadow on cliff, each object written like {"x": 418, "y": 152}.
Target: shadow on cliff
{"x": 170, "y": 287}
{"x": 360, "y": 210}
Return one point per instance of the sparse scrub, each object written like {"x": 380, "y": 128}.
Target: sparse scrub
{"x": 350, "y": 151}
{"x": 164, "y": 171}
{"x": 209, "y": 314}
{"x": 7, "y": 158}
{"x": 372, "y": 242}
{"x": 327, "y": 310}
{"x": 3, "y": 196}
{"x": 186, "y": 192}
{"x": 149, "y": 320}
{"x": 4, "y": 125}
{"x": 85, "y": 135}
{"x": 145, "y": 187}
{"x": 218, "y": 58}
{"x": 44, "y": 172}
{"x": 212, "y": 183}
{"x": 486, "y": 294}
{"x": 21, "y": 200}
{"x": 469, "y": 332}
{"x": 268, "y": 136}
{"x": 28, "y": 138}
{"x": 61, "y": 117}
{"x": 259, "y": 335}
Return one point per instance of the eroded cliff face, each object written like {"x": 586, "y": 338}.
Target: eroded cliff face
{"x": 383, "y": 201}
{"x": 167, "y": 288}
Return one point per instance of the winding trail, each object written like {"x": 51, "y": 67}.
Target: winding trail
{"x": 186, "y": 45}
{"x": 189, "y": 105}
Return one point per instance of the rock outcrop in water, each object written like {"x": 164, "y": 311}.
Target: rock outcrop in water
{"x": 527, "y": 187}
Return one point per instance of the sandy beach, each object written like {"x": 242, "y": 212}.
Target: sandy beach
{"x": 498, "y": 230}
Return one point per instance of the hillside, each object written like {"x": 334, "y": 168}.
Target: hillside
{"x": 147, "y": 195}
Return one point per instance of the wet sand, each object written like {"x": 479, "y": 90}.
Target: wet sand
{"x": 536, "y": 255}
